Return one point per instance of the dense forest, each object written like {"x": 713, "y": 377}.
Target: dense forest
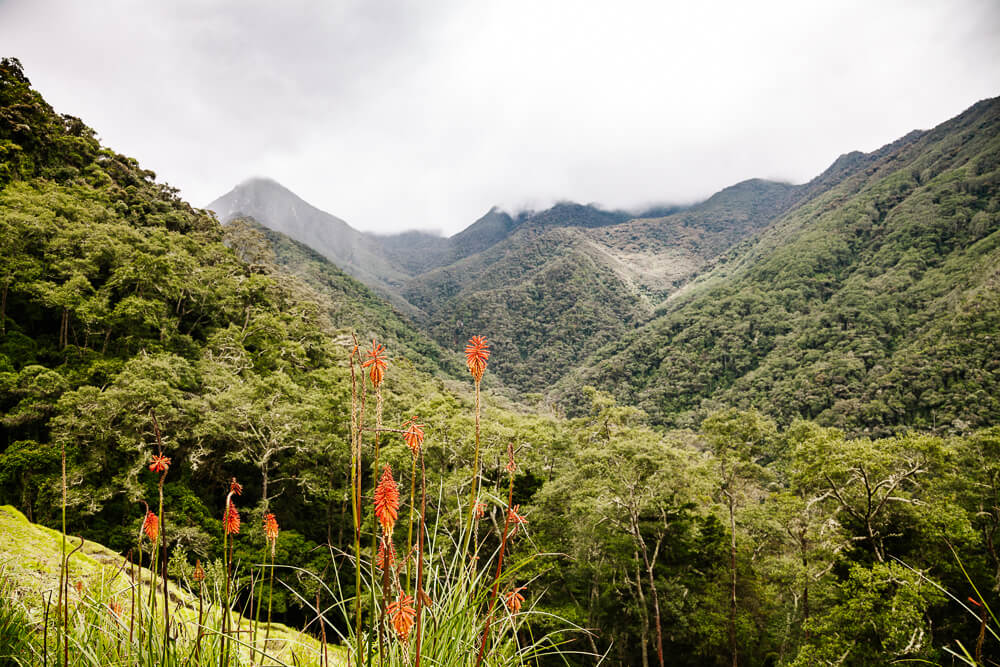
{"x": 795, "y": 462}
{"x": 871, "y": 307}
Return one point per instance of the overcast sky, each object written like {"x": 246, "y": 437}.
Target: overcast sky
{"x": 398, "y": 115}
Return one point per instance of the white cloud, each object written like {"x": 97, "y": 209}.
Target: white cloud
{"x": 398, "y": 115}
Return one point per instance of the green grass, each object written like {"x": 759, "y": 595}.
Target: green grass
{"x": 29, "y": 560}
{"x": 98, "y": 636}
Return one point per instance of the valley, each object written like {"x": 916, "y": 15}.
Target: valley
{"x": 760, "y": 429}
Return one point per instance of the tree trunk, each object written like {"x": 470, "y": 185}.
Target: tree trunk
{"x": 732, "y": 571}
{"x": 652, "y": 582}
{"x": 644, "y": 615}
{"x": 591, "y": 621}
{"x": 3, "y": 308}
{"x": 805, "y": 591}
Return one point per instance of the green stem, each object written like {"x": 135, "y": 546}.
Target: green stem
{"x": 420, "y": 557}
{"x": 474, "y": 493}
{"x": 270, "y": 590}
{"x": 197, "y": 641}
{"x": 496, "y": 577}
{"x": 409, "y": 526}
{"x": 374, "y": 590}
{"x": 163, "y": 555}
{"x": 63, "y": 574}
{"x": 225, "y": 610}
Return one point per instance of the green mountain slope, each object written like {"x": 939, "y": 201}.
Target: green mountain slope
{"x": 871, "y": 306}
{"x": 350, "y": 305}
{"x": 121, "y": 302}
{"x": 274, "y": 206}
{"x": 573, "y": 278}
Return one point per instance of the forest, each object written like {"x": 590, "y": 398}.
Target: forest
{"x": 795, "y": 462}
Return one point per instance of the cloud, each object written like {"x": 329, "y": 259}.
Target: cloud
{"x": 396, "y": 115}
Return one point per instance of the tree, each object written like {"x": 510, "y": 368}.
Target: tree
{"x": 738, "y": 440}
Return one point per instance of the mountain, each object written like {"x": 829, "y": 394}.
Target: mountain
{"x": 572, "y": 278}
{"x": 547, "y": 287}
{"x": 348, "y": 304}
{"x": 872, "y": 305}
{"x": 133, "y": 324}
{"x": 277, "y": 208}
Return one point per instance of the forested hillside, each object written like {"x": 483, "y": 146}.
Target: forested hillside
{"x": 135, "y": 327}
{"x": 346, "y": 303}
{"x": 552, "y": 286}
{"x": 871, "y": 307}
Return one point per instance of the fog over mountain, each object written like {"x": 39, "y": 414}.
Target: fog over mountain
{"x": 373, "y": 108}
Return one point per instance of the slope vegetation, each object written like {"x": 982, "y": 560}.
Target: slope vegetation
{"x": 573, "y": 278}
{"x": 873, "y": 305}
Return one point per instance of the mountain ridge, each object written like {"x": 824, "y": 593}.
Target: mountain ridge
{"x": 839, "y": 311}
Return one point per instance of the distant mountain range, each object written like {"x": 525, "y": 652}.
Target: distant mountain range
{"x": 839, "y": 299}
{"x": 549, "y": 287}
{"x": 873, "y": 302}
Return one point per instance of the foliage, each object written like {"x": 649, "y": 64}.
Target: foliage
{"x": 871, "y": 305}
{"x": 867, "y": 307}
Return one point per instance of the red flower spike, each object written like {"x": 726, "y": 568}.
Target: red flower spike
{"x": 376, "y": 363}
{"x": 231, "y": 519}
{"x": 270, "y": 528}
{"x": 413, "y": 434}
{"x": 387, "y": 501}
{"x": 480, "y": 510}
{"x": 513, "y": 599}
{"x": 403, "y": 615}
{"x": 476, "y": 354}
{"x": 515, "y": 520}
{"x": 151, "y": 526}
{"x": 235, "y": 487}
{"x": 159, "y": 463}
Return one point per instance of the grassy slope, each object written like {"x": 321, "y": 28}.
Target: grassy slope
{"x": 871, "y": 306}
{"x": 30, "y": 555}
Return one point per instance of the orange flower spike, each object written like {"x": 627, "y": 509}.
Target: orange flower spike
{"x": 480, "y": 510}
{"x": 476, "y": 354}
{"x": 270, "y": 528}
{"x": 513, "y": 599}
{"x": 271, "y": 531}
{"x": 199, "y": 571}
{"x": 387, "y": 501}
{"x": 151, "y": 526}
{"x": 376, "y": 363}
{"x": 413, "y": 434}
{"x": 516, "y": 520}
{"x": 511, "y": 466}
{"x": 116, "y": 608}
{"x": 235, "y": 488}
{"x": 231, "y": 519}
{"x": 159, "y": 464}
{"x": 403, "y": 615}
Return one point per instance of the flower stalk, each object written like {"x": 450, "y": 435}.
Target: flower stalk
{"x": 509, "y": 514}
{"x": 476, "y": 355}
